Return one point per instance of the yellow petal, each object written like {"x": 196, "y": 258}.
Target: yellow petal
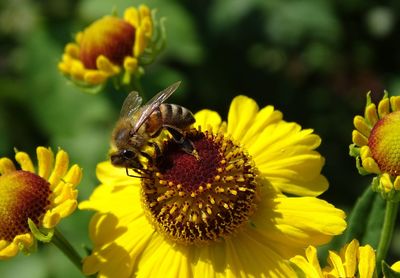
{"x": 77, "y": 70}
{"x": 130, "y": 64}
{"x": 396, "y": 183}
{"x": 144, "y": 11}
{"x": 6, "y": 166}
{"x": 385, "y": 183}
{"x": 350, "y": 257}
{"x": 45, "y": 161}
{"x": 264, "y": 117}
{"x": 241, "y": 115}
{"x": 163, "y": 259}
{"x": 370, "y": 165}
{"x": 100, "y": 200}
{"x": 359, "y": 139}
{"x": 336, "y": 264}
{"x": 147, "y": 27}
{"x": 72, "y": 49}
{"x": 366, "y": 264}
{"x": 64, "y": 68}
{"x": 395, "y": 103}
{"x": 207, "y": 120}
{"x": 105, "y": 263}
{"x": 9, "y": 251}
{"x": 95, "y": 77}
{"x": 371, "y": 114}
{"x": 249, "y": 257}
{"x": 295, "y": 227}
{"x": 74, "y": 175}
{"x": 109, "y": 174}
{"x": 362, "y": 126}
{"x": 309, "y": 266}
{"x": 209, "y": 261}
{"x": 367, "y": 161}
{"x": 50, "y": 219}
{"x": 105, "y": 65}
{"x": 282, "y": 137}
{"x": 60, "y": 167}
{"x": 384, "y": 107}
{"x": 25, "y": 161}
{"x": 396, "y": 266}
{"x": 140, "y": 42}
{"x": 53, "y": 216}
{"x": 132, "y": 16}
{"x": 284, "y": 154}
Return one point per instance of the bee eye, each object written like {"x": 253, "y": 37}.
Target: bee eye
{"x": 128, "y": 154}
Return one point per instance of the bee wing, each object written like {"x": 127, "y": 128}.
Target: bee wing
{"x": 131, "y": 104}
{"x": 154, "y": 103}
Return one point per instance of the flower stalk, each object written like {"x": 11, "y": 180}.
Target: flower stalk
{"x": 387, "y": 232}
{"x": 64, "y": 246}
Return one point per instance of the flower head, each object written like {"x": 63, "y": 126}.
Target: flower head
{"x": 44, "y": 197}
{"x": 113, "y": 46}
{"x": 353, "y": 260}
{"x": 377, "y": 145}
{"x": 221, "y": 213}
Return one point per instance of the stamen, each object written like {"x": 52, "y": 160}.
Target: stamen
{"x": 23, "y": 195}
{"x": 195, "y": 201}
{"x": 384, "y": 143}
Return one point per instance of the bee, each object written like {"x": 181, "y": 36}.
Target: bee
{"x": 138, "y": 124}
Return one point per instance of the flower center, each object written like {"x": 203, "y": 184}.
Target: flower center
{"x": 23, "y": 195}
{"x": 384, "y": 143}
{"x": 109, "y": 36}
{"x": 200, "y": 200}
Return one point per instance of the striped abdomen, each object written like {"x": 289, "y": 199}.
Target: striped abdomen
{"x": 169, "y": 115}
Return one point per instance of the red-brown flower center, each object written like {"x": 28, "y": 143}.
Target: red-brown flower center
{"x": 182, "y": 168}
{"x": 23, "y": 195}
{"x": 109, "y": 36}
{"x": 194, "y": 200}
{"x": 384, "y": 142}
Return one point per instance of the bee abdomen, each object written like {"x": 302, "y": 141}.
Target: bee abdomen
{"x": 176, "y": 115}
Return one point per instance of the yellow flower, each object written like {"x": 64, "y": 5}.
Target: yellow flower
{"x": 396, "y": 266}
{"x": 110, "y": 46}
{"x": 222, "y": 215}
{"x": 45, "y": 196}
{"x": 353, "y": 260}
{"x": 376, "y": 144}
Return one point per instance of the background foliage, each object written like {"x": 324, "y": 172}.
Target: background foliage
{"x": 312, "y": 59}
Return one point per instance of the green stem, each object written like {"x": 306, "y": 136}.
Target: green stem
{"x": 386, "y": 234}
{"x": 69, "y": 251}
{"x": 137, "y": 84}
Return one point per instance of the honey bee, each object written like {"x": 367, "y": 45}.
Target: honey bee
{"x": 138, "y": 124}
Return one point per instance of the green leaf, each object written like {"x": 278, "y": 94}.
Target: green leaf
{"x": 364, "y": 222}
{"x": 388, "y": 272}
{"x": 44, "y": 236}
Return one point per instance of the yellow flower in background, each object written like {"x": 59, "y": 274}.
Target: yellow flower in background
{"x": 376, "y": 142}
{"x": 112, "y": 46}
{"x": 353, "y": 260}
{"x": 396, "y": 266}
{"x": 222, "y": 215}
{"x": 45, "y": 196}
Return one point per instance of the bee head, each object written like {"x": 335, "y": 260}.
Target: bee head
{"x": 125, "y": 158}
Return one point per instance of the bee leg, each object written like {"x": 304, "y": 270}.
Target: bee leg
{"x": 156, "y": 148}
{"x": 158, "y": 156}
{"x": 187, "y": 145}
{"x": 147, "y": 156}
{"x": 130, "y": 175}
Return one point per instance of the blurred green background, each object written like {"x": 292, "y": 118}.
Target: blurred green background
{"x": 312, "y": 59}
